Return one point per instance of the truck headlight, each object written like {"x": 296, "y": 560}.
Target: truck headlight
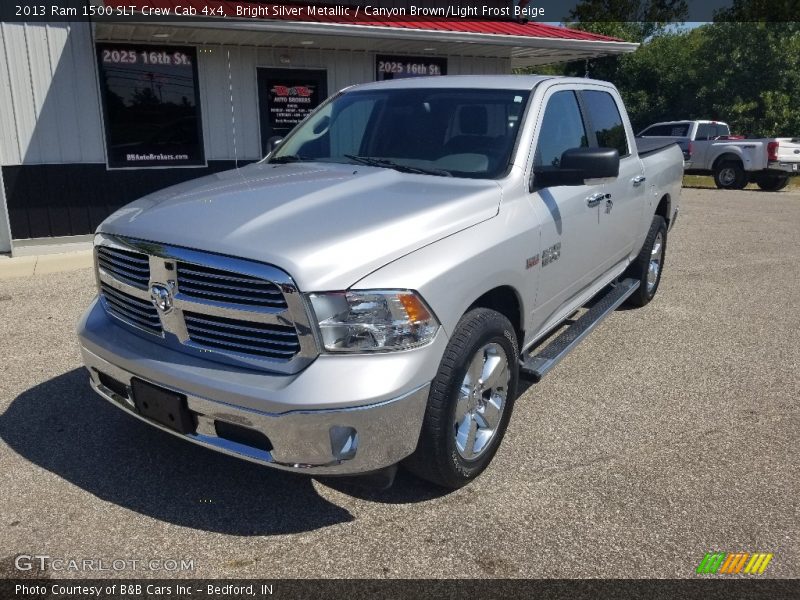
{"x": 373, "y": 320}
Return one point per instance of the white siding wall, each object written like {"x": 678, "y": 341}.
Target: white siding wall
{"x": 48, "y": 94}
{"x": 50, "y": 98}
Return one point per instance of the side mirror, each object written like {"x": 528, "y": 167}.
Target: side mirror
{"x": 273, "y": 143}
{"x": 323, "y": 124}
{"x": 578, "y": 165}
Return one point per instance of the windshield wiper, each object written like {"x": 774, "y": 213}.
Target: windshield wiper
{"x": 390, "y": 164}
{"x": 287, "y": 158}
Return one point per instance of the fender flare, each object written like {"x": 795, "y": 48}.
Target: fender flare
{"x": 727, "y": 154}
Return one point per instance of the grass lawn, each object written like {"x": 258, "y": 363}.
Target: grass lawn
{"x": 706, "y": 181}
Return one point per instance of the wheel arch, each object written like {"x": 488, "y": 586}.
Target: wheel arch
{"x": 506, "y": 300}
{"x": 664, "y": 208}
{"x": 726, "y": 156}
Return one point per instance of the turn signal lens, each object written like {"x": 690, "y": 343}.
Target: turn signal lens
{"x": 415, "y": 309}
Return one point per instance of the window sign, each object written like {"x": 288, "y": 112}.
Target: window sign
{"x": 151, "y": 107}
{"x": 290, "y": 101}
{"x": 398, "y": 67}
{"x": 286, "y": 97}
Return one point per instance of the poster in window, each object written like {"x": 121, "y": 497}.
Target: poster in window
{"x": 289, "y": 101}
{"x": 151, "y": 107}
{"x": 400, "y": 67}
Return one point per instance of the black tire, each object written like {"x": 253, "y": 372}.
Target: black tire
{"x": 730, "y": 175}
{"x": 772, "y": 182}
{"x": 640, "y": 268}
{"x": 437, "y": 458}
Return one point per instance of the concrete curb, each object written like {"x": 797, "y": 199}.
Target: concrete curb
{"x": 29, "y": 266}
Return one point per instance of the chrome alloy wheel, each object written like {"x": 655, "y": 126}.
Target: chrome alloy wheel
{"x": 481, "y": 401}
{"x": 727, "y": 176}
{"x": 654, "y": 268}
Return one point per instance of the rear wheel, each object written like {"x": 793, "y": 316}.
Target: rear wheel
{"x": 470, "y": 401}
{"x": 772, "y": 182}
{"x": 649, "y": 264}
{"x": 730, "y": 175}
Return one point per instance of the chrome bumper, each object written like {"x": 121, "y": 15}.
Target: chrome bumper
{"x": 324, "y": 442}
{"x": 786, "y": 167}
{"x": 340, "y": 415}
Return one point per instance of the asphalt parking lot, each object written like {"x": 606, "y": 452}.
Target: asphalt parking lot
{"x": 670, "y": 432}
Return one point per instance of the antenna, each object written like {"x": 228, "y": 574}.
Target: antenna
{"x": 233, "y": 114}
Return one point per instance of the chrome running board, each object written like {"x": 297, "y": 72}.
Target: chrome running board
{"x": 536, "y": 366}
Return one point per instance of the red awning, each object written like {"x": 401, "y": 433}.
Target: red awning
{"x": 231, "y": 8}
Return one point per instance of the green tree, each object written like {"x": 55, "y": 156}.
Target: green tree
{"x": 741, "y": 71}
{"x": 750, "y": 74}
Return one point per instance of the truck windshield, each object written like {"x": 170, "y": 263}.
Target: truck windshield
{"x": 437, "y": 131}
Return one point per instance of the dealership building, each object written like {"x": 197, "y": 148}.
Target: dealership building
{"x": 97, "y": 113}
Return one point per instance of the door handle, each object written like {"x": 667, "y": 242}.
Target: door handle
{"x": 639, "y": 180}
{"x": 596, "y": 199}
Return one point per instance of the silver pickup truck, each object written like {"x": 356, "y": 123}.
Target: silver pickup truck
{"x": 710, "y": 149}
{"x": 371, "y": 292}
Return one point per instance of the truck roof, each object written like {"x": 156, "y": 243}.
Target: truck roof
{"x": 681, "y": 121}
{"x": 505, "y": 82}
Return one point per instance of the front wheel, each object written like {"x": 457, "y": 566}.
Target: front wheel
{"x": 648, "y": 265}
{"x": 470, "y": 401}
{"x": 772, "y": 183}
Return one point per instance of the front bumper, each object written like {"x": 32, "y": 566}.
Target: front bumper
{"x": 341, "y": 415}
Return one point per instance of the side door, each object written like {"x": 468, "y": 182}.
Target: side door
{"x": 620, "y": 215}
{"x": 703, "y": 138}
{"x": 570, "y": 244}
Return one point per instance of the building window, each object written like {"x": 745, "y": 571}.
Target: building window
{"x": 151, "y": 106}
{"x": 398, "y": 67}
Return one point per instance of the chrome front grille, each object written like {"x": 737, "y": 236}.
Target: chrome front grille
{"x": 235, "y": 311}
{"x": 199, "y": 281}
{"x": 273, "y": 341}
{"x": 125, "y": 265}
{"x": 134, "y": 311}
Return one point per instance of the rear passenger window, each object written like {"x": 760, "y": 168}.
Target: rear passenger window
{"x": 669, "y": 130}
{"x": 705, "y": 131}
{"x": 562, "y": 129}
{"x": 606, "y": 121}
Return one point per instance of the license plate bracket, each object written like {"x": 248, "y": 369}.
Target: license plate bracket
{"x": 163, "y": 406}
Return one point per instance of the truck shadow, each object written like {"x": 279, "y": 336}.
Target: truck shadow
{"x": 63, "y": 427}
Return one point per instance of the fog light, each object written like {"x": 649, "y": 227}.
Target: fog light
{"x": 344, "y": 442}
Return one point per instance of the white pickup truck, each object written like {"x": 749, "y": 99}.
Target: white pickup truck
{"x": 372, "y": 290}
{"x": 710, "y": 149}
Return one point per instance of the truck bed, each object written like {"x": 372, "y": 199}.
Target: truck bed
{"x": 647, "y": 146}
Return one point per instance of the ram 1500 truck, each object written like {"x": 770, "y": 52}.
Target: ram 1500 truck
{"x": 371, "y": 292}
{"x": 733, "y": 160}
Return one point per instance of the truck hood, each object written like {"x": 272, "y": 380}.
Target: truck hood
{"x": 328, "y": 225}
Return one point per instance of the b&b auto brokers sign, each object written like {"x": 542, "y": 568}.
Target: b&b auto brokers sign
{"x": 289, "y": 102}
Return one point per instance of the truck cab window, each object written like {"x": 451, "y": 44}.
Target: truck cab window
{"x": 606, "y": 121}
{"x": 562, "y": 128}
{"x": 705, "y": 131}
{"x": 666, "y": 130}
